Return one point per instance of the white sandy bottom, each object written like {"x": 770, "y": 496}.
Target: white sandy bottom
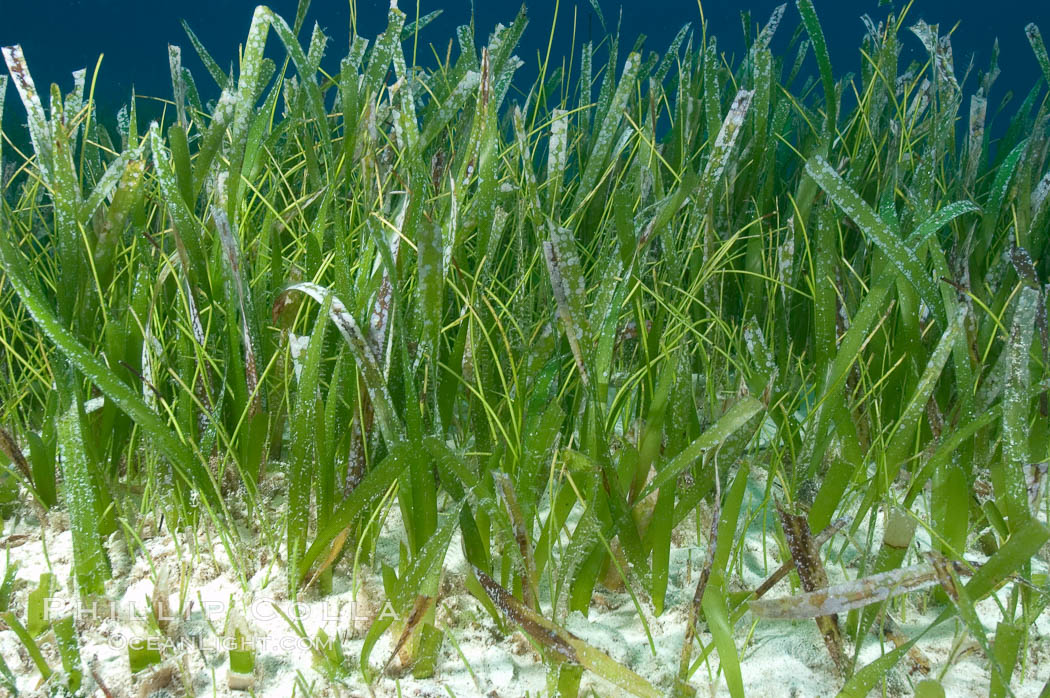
{"x": 777, "y": 658}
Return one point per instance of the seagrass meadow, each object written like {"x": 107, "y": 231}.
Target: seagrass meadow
{"x": 602, "y": 385}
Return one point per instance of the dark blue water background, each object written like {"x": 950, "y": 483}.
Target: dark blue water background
{"x": 59, "y": 36}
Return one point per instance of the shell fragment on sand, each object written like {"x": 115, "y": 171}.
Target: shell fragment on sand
{"x": 860, "y": 592}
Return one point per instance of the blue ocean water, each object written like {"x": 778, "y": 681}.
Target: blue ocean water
{"x": 59, "y": 36}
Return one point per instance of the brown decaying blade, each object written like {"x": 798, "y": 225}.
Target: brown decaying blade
{"x": 423, "y": 604}
{"x": 811, "y": 573}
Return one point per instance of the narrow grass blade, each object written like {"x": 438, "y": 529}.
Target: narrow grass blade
{"x": 428, "y": 562}
{"x": 3, "y": 95}
{"x": 251, "y": 64}
{"x": 379, "y": 62}
{"x": 938, "y": 220}
{"x": 672, "y": 54}
{"x": 1000, "y": 189}
{"x": 244, "y": 99}
{"x": 37, "y": 620}
{"x": 770, "y": 28}
{"x": 1008, "y": 640}
{"x": 7, "y": 678}
{"x": 820, "y": 49}
{"x": 187, "y": 227}
{"x": 904, "y": 431}
{"x": 107, "y": 184}
{"x": 430, "y": 247}
{"x": 417, "y": 25}
{"x": 438, "y": 121}
{"x": 1017, "y": 551}
{"x": 249, "y": 334}
{"x": 861, "y": 683}
{"x": 569, "y": 294}
{"x": 978, "y": 114}
{"x": 178, "y": 83}
{"x": 557, "y": 156}
{"x": 221, "y": 79}
{"x": 529, "y": 578}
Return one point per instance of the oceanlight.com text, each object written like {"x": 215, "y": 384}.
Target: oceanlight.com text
{"x": 257, "y": 610}
{"x": 259, "y": 645}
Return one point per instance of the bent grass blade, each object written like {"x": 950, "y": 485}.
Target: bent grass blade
{"x": 389, "y": 422}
